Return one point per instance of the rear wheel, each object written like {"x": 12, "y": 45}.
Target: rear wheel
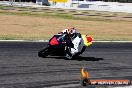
{"x": 44, "y": 52}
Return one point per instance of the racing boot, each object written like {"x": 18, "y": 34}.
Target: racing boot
{"x": 68, "y": 55}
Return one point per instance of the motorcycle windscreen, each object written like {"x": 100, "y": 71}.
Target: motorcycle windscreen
{"x": 87, "y": 40}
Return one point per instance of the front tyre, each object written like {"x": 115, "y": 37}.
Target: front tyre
{"x": 83, "y": 49}
{"x": 44, "y": 52}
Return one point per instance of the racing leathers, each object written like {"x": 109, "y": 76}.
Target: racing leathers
{"x": 77, "y": 41}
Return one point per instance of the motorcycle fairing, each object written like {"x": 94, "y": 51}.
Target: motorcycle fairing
{"x": 53, "y": 41}
{"x": 58, "y": 43}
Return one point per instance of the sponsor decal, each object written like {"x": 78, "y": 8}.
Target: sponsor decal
{"x": 86, "y": 81}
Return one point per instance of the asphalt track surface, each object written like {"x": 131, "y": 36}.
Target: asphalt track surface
{"x": 20, "y": 67}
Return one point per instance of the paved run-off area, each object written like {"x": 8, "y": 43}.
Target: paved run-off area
{"x": 20, "y": 67}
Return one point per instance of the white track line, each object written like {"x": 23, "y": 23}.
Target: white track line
{"x": 48, "y": 40}
{"x": 114, "y": 41}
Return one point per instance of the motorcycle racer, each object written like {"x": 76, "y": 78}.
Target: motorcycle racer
{"x": 68, "y": 43}
{"x": 77, "y": 41}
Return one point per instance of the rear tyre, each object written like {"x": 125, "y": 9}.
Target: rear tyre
{"x": 44, "y": 52}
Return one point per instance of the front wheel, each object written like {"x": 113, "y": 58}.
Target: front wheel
{"x": 83, "y": 49}
{"x": 44, "y": 52}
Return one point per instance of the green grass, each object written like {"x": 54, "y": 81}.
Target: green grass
{"x": 14, "y": 37}
{"x": 55, "y": 14}
{"x": 15, "y": 13}
{"x": 51, "y": 13}
{"x": 7, "y": 37}
{"x": 1, "y": 7}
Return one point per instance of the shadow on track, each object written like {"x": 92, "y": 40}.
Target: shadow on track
{"x": 87, "y": 59}
{"x": 79, "y": 58}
